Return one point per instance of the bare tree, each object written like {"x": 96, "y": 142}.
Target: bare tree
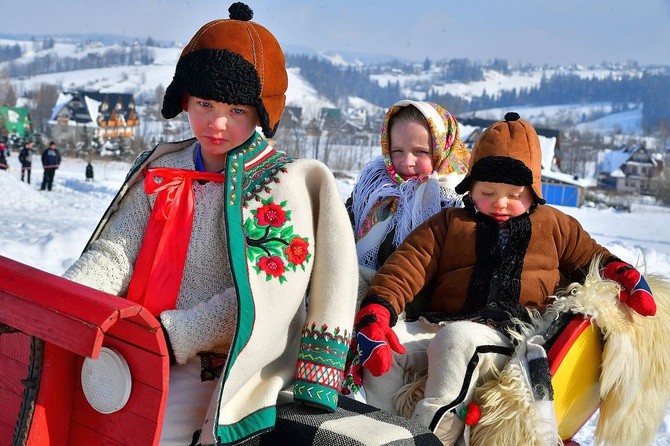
{"x": 7, "y": 93}
{"x": 660, "y": 186}
{"x": 44, "y": 100}
{"x": 579, "y": 151}
{"x": 159, "y": 93}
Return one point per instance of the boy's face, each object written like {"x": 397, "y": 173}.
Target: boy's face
{"x": 220, "y": 127}
{"x": 501, "y": 201}
{"x": 411, "y": 149}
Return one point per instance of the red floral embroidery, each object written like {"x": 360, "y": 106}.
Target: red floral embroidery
{"x": 272, "y": 246}
{"x": 273, "y": 266}
{"x": 271, "y": 214}
{"x": 296, "y": 251}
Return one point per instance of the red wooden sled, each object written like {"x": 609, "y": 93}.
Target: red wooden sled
{"x": 61, "y": 323}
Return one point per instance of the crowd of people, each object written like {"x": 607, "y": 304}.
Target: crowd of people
{"x": 50, "y": 159}
{"x": 263, "y": 279}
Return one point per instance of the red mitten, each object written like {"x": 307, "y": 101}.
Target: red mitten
{"x": 635, "y": 291}
{"x": 376, "y": 339}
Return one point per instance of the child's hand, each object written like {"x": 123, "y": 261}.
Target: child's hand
{"x": 635, "y": 291}
{"x": 376, "y": 339}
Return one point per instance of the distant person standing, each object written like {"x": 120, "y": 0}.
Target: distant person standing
{"x": 89, "y": 171}
{"x": 50, "y": 162}
{"x": 3, "y": 160}
{"x": 26, "y": 159}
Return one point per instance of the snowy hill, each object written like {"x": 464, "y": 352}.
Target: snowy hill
{"x": 144, "y": 80}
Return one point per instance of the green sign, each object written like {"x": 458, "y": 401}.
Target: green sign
{"x": 15, "y": 120}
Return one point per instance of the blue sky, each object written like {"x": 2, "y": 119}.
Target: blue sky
{"x": 533, "y": 31}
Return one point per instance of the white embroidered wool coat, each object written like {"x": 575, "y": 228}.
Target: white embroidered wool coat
{"x": 277, "y": 238}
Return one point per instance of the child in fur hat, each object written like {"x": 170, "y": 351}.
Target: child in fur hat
{"x": 223, "y": 238}
{"x": 485, "y": 265}
{"x": 422, "y": 160}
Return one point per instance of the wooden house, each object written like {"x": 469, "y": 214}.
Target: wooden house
{"x": 629, "y": 169}
{"x": 86, "y": 114}
{"x": 292, "y": 116}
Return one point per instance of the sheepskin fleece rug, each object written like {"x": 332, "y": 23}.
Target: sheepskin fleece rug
{"x": 635, "y": 378}
{"x": 634, "y": 381}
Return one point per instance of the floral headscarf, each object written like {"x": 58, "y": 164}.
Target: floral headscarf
{"x": 449, "y": 153}
{"x": 383, "y": 203}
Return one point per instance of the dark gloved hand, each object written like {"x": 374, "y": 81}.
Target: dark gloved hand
{"x": 635, "y": 291}
{"x": 376, "y": 340}
{"x": 173, "y": 361}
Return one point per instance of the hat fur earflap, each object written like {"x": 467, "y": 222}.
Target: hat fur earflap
{"x": 235, "y": 61}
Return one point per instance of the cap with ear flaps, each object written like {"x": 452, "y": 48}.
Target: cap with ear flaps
{"x": 507, "y": 152}
{"x": 235, "y": 61}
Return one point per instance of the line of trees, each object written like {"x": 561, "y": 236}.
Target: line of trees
{"x": 52, "y": 63}
{"x": 652, "y": 89}
{"x": 335, "y": 82}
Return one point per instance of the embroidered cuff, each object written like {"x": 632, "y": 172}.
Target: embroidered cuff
{"x": 320, "y": 367}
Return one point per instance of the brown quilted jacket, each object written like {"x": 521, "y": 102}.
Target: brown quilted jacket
{"x": 440, "y": 254}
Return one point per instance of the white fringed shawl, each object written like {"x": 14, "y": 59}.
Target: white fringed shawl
{"x": 415, "y": 202}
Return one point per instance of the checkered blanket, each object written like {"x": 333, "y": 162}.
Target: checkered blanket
{"x": 353, "y": 424}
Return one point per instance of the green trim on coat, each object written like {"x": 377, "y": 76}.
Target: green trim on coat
{"x": 265, "y": 418}
{"x": 257, "y": 422}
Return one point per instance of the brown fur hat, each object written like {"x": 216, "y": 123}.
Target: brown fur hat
{"x": 507, "y": 152}
{"x": 235, "y": 61}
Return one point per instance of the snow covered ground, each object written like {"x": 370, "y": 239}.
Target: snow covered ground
{"x": 48, "y": 230}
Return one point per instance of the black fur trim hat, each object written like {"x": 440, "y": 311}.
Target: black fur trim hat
{"x": 235, "y": 61}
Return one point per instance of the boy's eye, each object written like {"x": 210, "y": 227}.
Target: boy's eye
{"x": 205, "y": 104}
{"x": 238, "y": 111}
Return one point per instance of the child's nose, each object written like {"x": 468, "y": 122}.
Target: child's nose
{"x": 500, "y": 202}
{"x": 219, "y": 122}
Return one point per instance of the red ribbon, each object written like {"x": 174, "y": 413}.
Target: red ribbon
{"x": 160, "y": 263}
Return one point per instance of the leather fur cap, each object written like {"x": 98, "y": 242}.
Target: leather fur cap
{"x": 507, "y": 152}
{"x": 235, "y": 61}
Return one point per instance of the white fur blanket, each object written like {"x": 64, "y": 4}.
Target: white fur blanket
{"x": 634, "y": 380}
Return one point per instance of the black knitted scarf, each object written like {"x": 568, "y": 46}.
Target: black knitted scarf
{"x": 495, "y": 285}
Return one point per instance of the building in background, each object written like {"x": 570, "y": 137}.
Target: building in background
{"x": 629, "y": 169}
{"x": 93, "y": 116}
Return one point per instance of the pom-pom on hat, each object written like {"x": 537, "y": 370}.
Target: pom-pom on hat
{"x": 507, "y": 152}
{"x": 235, "y": 61}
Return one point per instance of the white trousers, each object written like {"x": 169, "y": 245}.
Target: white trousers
{"x": 457, "y": 354}
{"x": 187, "y": 404}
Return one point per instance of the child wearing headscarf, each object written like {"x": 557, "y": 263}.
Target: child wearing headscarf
{"x": 422, "y": 160}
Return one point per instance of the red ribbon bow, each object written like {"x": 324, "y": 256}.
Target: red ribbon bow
{"x": 160, "y": 263}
